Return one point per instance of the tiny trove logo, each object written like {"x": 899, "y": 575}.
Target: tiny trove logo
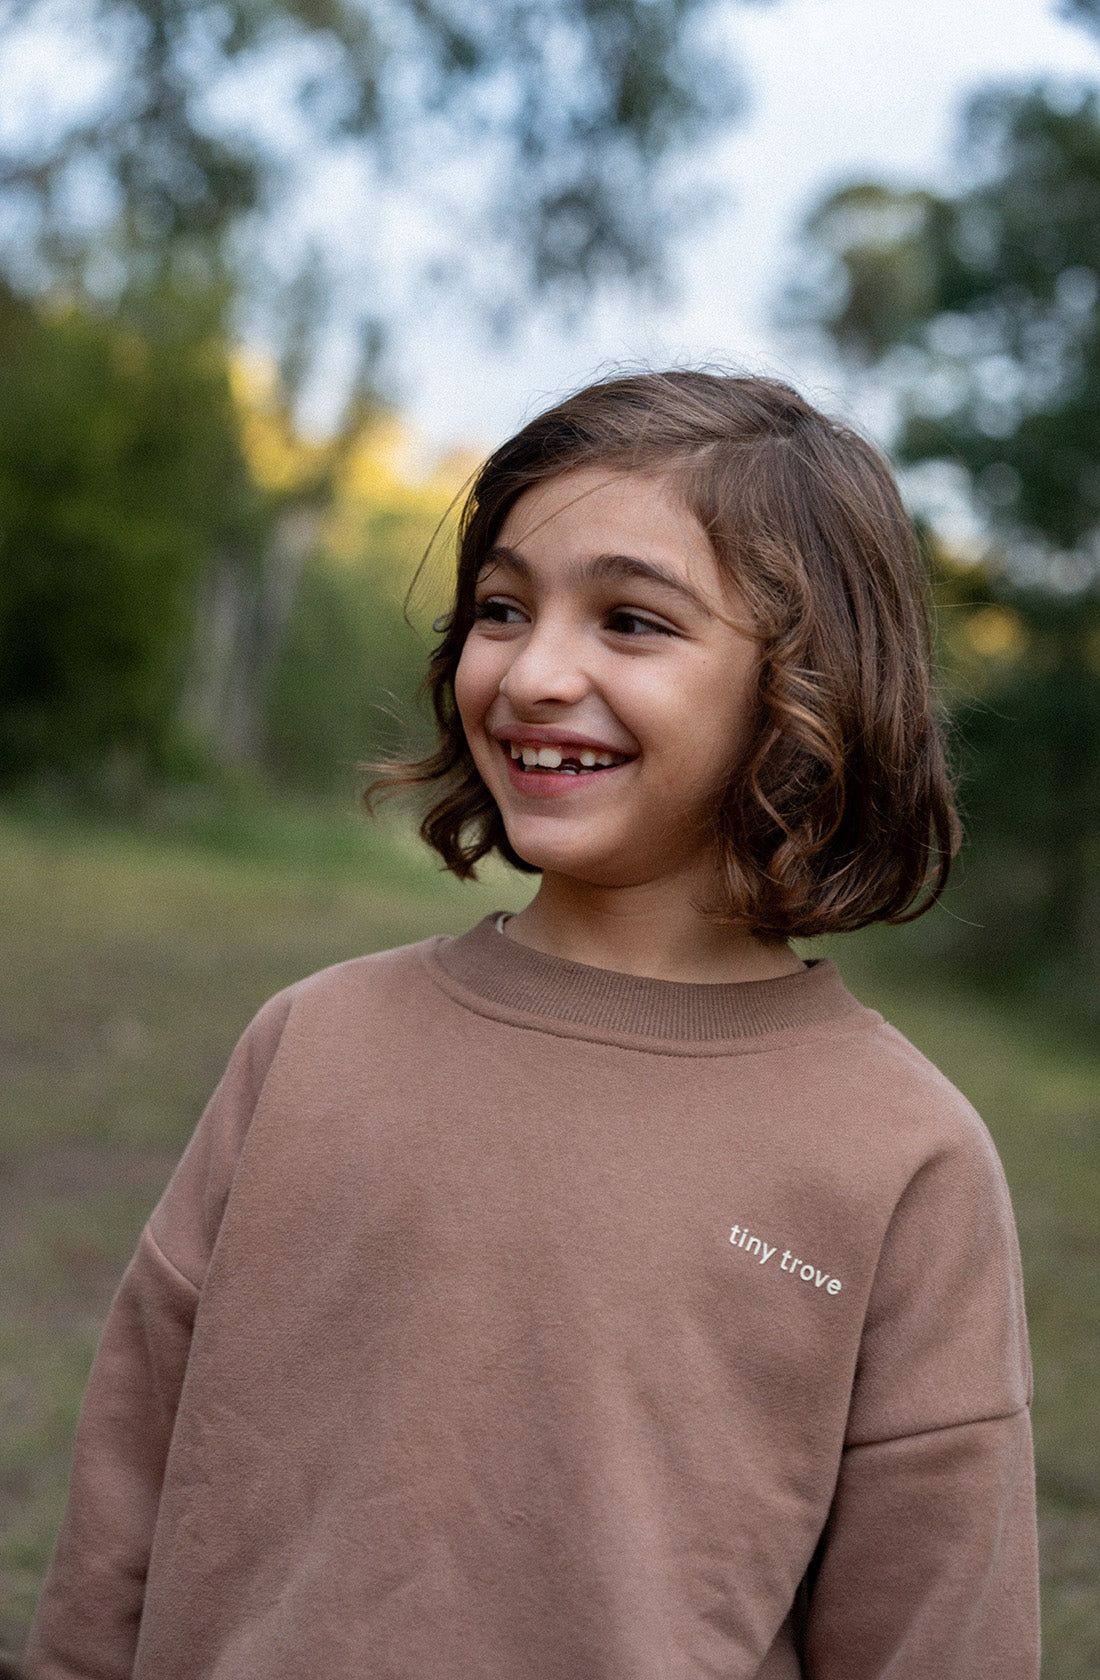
{"x": 804, "y": 1270}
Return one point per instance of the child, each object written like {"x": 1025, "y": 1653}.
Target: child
{"x": 604, "y": 1294}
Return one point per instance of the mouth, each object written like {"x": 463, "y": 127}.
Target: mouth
{"x": 565, "y": 760}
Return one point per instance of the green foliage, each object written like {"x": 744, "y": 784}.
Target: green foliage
{"x": 158, "y": 585}
{"x": 1030, "y": 758}
{"x": 981, "y": 311}
{"x": 570, "y": 105}
{"x": 874, "y": 268}
{"x": 346, "y": 684}
{"x": 174, "y": 598}
{"x": 120, "y": 473}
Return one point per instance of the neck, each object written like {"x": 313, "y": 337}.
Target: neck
{"x": 643, "y": 930}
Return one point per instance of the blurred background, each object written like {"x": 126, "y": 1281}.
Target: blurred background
{"x": 273, "y": 275}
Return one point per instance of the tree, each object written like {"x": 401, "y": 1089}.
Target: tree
{"x": 554, "y": 116}
{"x": 980, "y": 311}
{"x": 139, "y": 225}
{"x": 347, "y": 682}
{"x": 121, "y": 474}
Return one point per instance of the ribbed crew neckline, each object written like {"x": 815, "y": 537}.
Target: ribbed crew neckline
{"x": 549, "y": 990}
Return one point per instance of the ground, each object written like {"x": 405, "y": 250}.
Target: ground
{"x": 128, "y": 966}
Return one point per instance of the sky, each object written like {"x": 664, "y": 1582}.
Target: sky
{"x": 837, "y": 89}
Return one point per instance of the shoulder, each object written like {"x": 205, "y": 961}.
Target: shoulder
{"x": 319, "y": 1019}
{"x": 901, "y": 1158}
{"x": 392, "y": 981}
{"x": 869, "y": 1091}
{"x": 324, "y": 1028}
{"x": 399, "y": 965}
{"x": 919, "y": 1110}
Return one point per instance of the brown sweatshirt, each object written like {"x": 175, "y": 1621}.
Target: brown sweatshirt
{"x": 510, "y": 1319}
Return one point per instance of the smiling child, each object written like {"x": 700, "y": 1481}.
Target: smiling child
{"x": 604, "y": 1294}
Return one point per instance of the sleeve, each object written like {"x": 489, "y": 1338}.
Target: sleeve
{"x": 86, "y": 1626}
{"x": 928, "y": 1568}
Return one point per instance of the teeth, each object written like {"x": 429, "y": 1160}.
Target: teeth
{"x": 552, "y": 758}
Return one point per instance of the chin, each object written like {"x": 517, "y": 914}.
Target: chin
{"x": 548, "y": 843}
{"x": 587, "y": 866}
{"x": 554, "y": 860}
{"x": 548, "y": 860}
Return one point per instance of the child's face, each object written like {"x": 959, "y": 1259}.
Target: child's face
{"x": 605, "y": 632}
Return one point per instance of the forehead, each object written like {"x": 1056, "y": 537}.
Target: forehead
{"x": 597, "y": 512}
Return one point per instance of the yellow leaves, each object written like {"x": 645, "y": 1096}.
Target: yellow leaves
{"x": 373, "y": 470}
{"x": 382, "y": 507}
{"x": 995, "y": 632}
{"x": 388, "y": 511}
{"x": 979, "y": 644}
{"x": 279, "y": 459}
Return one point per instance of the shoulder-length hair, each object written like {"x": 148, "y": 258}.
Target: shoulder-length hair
{"x": 841, "y": 812}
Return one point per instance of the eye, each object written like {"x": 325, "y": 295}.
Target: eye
{"x": 493, "y": 610}
{"x": 626, "y": 623}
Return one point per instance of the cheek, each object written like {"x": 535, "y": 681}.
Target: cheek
{"x": 470, "y": 685}
{"x": 742, "y": 719}
{"x": 725, "y": 721}
{"x": 476, "y": 685}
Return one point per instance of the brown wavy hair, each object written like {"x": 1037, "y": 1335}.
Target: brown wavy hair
{"x": 841, "y": 812}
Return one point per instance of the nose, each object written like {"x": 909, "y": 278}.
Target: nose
{"x": 547, "y": 670}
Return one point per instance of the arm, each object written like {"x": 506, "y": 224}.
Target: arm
{"x": 88, "y": 1616}
{"x": 927, "y": 1568}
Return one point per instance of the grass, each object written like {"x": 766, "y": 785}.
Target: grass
{"x": 129, "y": 964}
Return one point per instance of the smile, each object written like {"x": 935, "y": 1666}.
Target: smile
{"x": 553, "y": 761}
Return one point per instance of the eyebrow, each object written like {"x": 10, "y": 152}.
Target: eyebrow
{"x": 605, "y": 568}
